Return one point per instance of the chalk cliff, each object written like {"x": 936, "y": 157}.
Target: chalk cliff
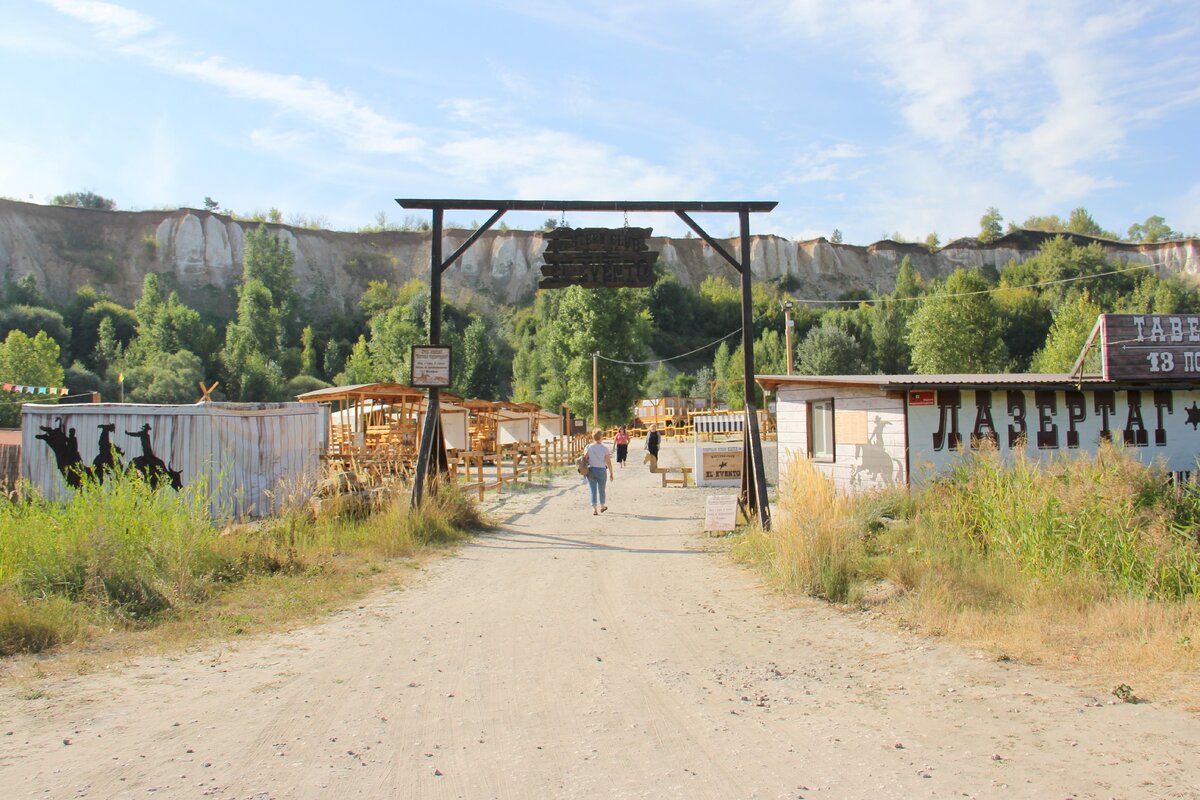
{"x": 200, "y": 254}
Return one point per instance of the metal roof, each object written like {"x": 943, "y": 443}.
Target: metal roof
{"x": 967, "y": 380}
{"x": 375, "y": 391}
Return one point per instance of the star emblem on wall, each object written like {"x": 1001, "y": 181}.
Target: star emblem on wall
{"x": 1193, "y": 416}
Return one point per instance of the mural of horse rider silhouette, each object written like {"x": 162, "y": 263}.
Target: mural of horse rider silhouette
{"x": 151, "y": 466}
{"x": 108, "y": 460}
{"x": 66, "y": 452}
{"x": 873, "y": 458}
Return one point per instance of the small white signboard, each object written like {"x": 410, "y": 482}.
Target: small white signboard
{"x": 430, "y": 366}
{"x": 720, "y": 512}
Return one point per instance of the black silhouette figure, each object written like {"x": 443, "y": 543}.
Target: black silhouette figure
{"x": 66, "y": 452}
{"x": 108, "y": 459}
{"x": 151, "y": 466}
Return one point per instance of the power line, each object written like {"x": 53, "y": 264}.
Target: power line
{"x": 671, "y": 358}
{"x": 878, "y": 301}
{"x": 922, "y": 298}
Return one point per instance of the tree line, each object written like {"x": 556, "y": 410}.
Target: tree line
{"x": 664, "y": 340}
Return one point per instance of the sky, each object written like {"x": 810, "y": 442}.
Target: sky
{"x": 871, "y": 117}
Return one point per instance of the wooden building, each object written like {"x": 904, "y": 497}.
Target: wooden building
{"x": 666, "y": 412}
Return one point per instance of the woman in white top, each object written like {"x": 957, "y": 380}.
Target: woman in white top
{"x": 600, "y": 466}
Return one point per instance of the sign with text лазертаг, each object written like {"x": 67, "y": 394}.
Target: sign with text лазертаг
{"x": 597, "y": 257}
{"x": 1151, "y": 347}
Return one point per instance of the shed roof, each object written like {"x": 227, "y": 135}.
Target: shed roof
{"x": 359, "y": 391}
{"x": 966, "y": 380}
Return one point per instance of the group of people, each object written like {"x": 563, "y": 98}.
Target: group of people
{"x": 600, "y": 462}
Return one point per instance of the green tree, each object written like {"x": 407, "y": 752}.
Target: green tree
{"x": 683, "y": 385}
{"x": 109, "y": 351}
{"x": 171, "y": 378}
{"x": 84, "y": 200}
{"x": 1026, "y": 321}
{"x": 308, "y": 352}
{"x": 828, "y": 349}
{"x": 990, "y": 228}
{"x": 1073, "y": 323}
{"x": 333, "y": 359}
{"x": 658, "y": 382}
{"x": 615, "y": 323}
{"x": 252, "y": 343}
{"x": 33, "y": 319}
{"x": 958, "y": 328}
{"x": 28, "y": 361}
{"x": 359, "y": 368}
{"x": 889, "y": 333}
{"x": 479, "y": 374}
{"x": 836, "y": 238}
{"x": 1081, "y": 222}
{"x": 25, "y": 292}
{"x": 909, "y": 282}
{"x": 393, "y": 333}
{"x": 1154, "y": 229}
{"x": 269, "y": 260}
{"x": 1051, "y": 224}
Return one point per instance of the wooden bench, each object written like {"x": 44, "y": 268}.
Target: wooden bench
{"x": 684, "y": 473}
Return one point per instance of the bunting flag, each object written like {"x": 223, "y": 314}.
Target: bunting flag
{"x": 60, "y": 391}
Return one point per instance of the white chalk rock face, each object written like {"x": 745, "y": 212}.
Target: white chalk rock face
{"x": 204, "y": 253}
{"x": 188, "y": 247}
{"x": 218, "y": 254}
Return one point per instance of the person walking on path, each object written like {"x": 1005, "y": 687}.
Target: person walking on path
{"x": 600, "y": 466}
{"x": 652, "y": 440}
{"x": 622, "y": 442}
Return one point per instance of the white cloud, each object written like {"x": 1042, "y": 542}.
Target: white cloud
{"x": 359, "y": 126}
{"x": 824, "y": 164}
{"x": 1046, "y": 92}
{"x": 551, "y": 164}
{"x": 112, "y": 22}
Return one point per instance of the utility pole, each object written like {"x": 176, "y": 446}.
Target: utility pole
{"x": 595, "y": 391}
{"x": 787, "y": 331}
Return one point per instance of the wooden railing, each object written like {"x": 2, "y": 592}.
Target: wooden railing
{"x": 478, "y": 471}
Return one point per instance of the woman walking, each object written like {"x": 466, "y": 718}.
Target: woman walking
{"x": 599, "y": 460}
{"x": 622, "y": 442}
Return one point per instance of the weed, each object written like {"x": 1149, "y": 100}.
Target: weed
{"x": 122, "y": 555}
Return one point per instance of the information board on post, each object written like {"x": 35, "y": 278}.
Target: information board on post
{"x": 430, "y": 366}
{"x": 720, "y": 512}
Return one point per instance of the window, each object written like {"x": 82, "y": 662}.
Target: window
{"x": 820, "y": 430}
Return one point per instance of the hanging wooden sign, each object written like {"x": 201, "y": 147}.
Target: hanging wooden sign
{"x": 598, "y": 257}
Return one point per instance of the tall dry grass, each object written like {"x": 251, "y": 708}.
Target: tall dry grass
{"x": 122, "y": 555}
{"x": 1086, "y": 563}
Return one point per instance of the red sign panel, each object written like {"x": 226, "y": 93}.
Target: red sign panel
{"x": 1150, "y": 347}
{"x": 921, "y": 397}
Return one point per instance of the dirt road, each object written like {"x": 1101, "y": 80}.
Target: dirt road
{"x": 572, "y": 656}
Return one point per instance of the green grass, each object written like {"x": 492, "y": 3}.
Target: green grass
{"x": 123, "y": 556}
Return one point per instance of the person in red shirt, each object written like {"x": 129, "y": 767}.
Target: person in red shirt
{"x": 622, "y": 442}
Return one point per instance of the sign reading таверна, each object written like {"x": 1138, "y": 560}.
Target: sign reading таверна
{"x": 1151, "y": 346}
{"x": 596, "y": 257}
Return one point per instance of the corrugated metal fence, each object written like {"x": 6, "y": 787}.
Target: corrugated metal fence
{"x": 251, "y": 457}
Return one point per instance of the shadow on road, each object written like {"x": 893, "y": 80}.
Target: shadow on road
{"x": 514, "y": 540}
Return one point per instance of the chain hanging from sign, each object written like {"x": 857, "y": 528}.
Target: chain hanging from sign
{"x": 598, "y": 257}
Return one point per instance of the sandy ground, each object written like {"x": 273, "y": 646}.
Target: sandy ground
{"x": 571, "y": 656}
